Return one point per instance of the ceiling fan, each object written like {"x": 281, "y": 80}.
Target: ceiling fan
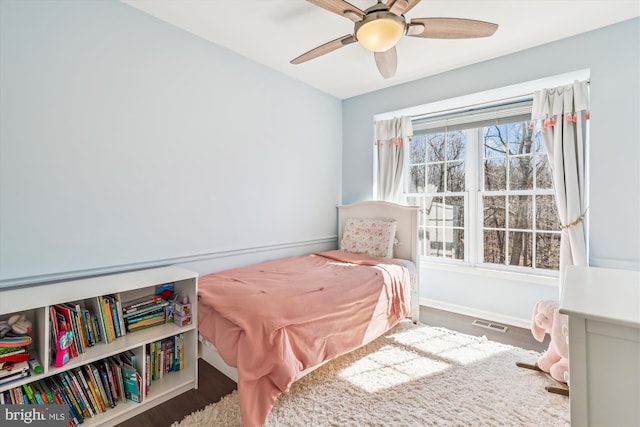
{"x": 380, "y": 27}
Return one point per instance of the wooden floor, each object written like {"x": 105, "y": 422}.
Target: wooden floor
{"x": 212, "y": 385}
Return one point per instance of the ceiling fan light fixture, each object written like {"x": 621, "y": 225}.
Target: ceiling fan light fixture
{"x": 380, "y": 31}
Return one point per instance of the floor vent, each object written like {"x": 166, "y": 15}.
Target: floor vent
{"x": 489, "y": 325}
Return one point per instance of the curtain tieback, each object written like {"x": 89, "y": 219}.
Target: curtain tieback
{"x": 576, "y": 222}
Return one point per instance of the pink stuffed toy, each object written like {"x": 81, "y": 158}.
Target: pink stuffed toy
{"x": 547, "y": 319}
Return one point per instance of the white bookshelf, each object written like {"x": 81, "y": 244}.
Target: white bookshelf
{"x": 34, "y": 301}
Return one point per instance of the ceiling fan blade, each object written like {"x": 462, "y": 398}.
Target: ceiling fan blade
{"x": 450, "y": 28}
{"x": 325, "y": 48}
{"x": 387, "y": 62}
{"x": 341, "y": 8}
{"x": 400, "y": 7}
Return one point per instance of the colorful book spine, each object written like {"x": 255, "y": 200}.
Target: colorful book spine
{"x": 98, "y": 379}
{"x": 111, "y": 331}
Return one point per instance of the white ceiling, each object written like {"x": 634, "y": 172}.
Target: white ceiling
{"x": 272, "y": 32}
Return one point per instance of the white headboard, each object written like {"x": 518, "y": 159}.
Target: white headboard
{"x": 406, "y": 217}
{"x": 406, "y": 233}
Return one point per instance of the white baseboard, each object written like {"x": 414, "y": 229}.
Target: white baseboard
{"x": 475, "y": 313}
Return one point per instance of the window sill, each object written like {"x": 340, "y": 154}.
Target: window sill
{"x": 538, "y": 279}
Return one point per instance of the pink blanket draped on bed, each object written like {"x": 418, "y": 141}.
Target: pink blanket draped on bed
{"x": 276, "y": 319}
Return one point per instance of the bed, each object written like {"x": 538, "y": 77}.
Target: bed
{"x": 268, "y": 324}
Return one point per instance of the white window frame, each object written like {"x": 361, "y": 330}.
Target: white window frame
{"x": 474, "y": 191}
{"x": 513, "y": 93}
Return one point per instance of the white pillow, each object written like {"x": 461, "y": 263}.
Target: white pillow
{"x": 371, "y": 236}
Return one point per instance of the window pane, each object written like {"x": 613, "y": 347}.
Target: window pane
{"x": 520, "y": 209}
{"x": 435, "y": 178}
{"x": 495, "y": 174}
{"x": 520, "y": 141}
{"x": 517, "y": 132}
{"x": 548, "y": 251}
{"x": 495, "y": 141}
{"x": 546, "y": 213}
{"x": 455, "y": 204}
{"x": 520, "y": 227}
{"x": 436, "y": 212}
{"x": 435, "y": 147}
{"x": 457, "y": 251}
{"x": 520, "y": 248}
{"x": 543, "y": 172}
{"x": 418, "y": 151}
{"x": 494, "y": 211}
{"x": 521, "y": 173}
{"x": 538, "y": 142}
{"x": 494, "y": 246}
{"x": 416, "y": 179}
{"x": 435, "y": 242}
{"x": 456, "y": 142}
{"x": 455, "y": 176}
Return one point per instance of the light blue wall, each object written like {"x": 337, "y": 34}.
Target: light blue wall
{"x": 125, "y": 141}
{"x": 613, "y": 56}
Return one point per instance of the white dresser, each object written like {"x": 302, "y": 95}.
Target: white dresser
{"x": 603, "y": 306}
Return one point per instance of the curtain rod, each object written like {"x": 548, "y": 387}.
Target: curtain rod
{"x": 487, "y": 97}
{"x": 471, "y": 107}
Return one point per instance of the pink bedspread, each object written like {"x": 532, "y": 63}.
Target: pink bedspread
{"x": 276, "y": 319}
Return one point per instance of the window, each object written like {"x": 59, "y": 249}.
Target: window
{"x": 483, "y": 184}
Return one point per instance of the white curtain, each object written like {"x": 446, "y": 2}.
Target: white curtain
{"x": 391, "y": 138}
{"x": 563, "y": 112}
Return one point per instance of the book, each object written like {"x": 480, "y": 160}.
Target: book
{"x": 78, "y": 393}
{"x": 8, "y": 354}
{"x": 37, "y": 393}
{"x": 147, "y": 370}
{"x": 66, "y": 323}
{"x": 61, "y": 397}
{"x": 84, "y": 386}
{"x": 107, "y": 383}
{"x": 120, "y": 314}
{"x": 129, "y": 357}
{"x": 12, "y": 371}
{"x": 115, "y": 316}
{"x": 16, "y": 399}
{"x": 45, "y": 393}
{"x": 131, "y": 323}
{"x": 132, "y": 383}
{"x": 29, "y": 393}
{"x": 72, "y": 325}
{"x": 78, "y": 329}
{"x": 107, "y": 319}
{"x": 93, "y": 387}
{"x": 151, "y": 354}
{"x": 66, "y": 394}
{"x": 97, "y": 327}
{"x": 85, "y": 319}
{"x": 159, "y": 306}
{"x": 78, "y": 317}
{"x": 20, "y": 396}
{"x": 101, "y": 389}
{"x": 116, "y": 368}
{"x": 140, "y": 303}
{"x": 166, "y": 290}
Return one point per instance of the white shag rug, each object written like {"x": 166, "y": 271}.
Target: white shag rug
{"x": 414, "y": 375}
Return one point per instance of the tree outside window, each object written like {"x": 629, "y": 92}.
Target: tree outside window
{"x": 514, "y": 217}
